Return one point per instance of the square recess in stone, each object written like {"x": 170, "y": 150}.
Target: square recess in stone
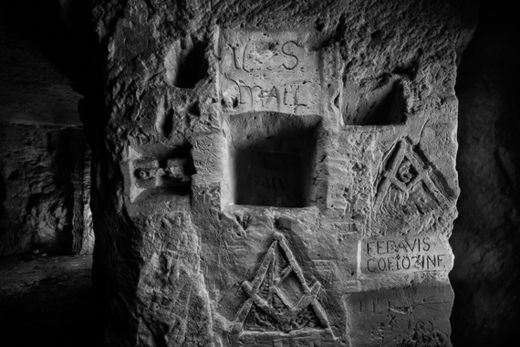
{"x": 156, "y": 172}
{"x": 272, "y": 159}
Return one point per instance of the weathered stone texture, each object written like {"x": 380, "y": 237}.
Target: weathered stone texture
{"x": 44, "y": 164}
{"x": 42, "y": 182}
{"x": 278, "y": 173}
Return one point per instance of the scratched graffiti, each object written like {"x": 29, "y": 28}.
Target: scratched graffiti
{"x": 271, "y": 71}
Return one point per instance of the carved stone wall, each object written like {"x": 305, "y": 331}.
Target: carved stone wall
{"x": 44, "y": 158}
{"x": 276, "y": 174}
{"x": 43, "y": 190}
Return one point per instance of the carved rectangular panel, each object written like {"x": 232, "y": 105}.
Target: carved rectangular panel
{"x": 405, "y": 254}
{"x": 156, "y": 172}
{"x": 272, "y": 71}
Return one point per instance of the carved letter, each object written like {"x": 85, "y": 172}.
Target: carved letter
{"x": 244, "y": 58}
{"x": 286, "y": 52}
{"x": 368, "y": 265}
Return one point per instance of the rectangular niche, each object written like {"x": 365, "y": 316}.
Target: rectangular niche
{"x": 272, "y": 159}
{"x": 157, "y": 172}
{"x": 381, "y": 106}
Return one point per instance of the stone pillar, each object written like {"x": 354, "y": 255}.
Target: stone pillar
{"x": 276, "y": 173}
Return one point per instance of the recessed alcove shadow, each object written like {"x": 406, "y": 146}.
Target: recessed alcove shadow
{"x": 272, "y": 159}
{"x": 385, "y": 105}
{"x": 388, "y": 108}
{"x": 186, "y": 63}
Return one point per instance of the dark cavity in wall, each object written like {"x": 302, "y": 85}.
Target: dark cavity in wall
{"x": 164, "y": 123}
{"x": 387, "y": 108}
{"x": 382, "y": 104}
{"x": 273, "y": 158}
{"x": 191, "y": 65}
{"x": 2, "y": 196}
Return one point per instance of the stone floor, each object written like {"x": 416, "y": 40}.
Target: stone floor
{"x": 47, "y": 301}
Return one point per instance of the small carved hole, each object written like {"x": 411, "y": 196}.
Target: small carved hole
{"x": 194, "y": 109}
{"x": 191, "y": 65}
{"x": 13, "y": 175}
{"x": 164, "y": 123}
{"x": 384, "y": 107}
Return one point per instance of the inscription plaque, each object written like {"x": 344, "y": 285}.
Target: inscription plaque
{"x": 408, "y": 254}
{"x": 272, "y": 71}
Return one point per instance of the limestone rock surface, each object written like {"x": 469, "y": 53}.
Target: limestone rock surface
{"x": 276, "y": 173}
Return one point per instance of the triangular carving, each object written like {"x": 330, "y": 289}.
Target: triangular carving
{"x": 405, "y": 170}
{"x": 279, "y": 298}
